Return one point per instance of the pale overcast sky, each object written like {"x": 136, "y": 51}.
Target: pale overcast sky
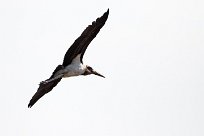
{"x": 150, "y": 51}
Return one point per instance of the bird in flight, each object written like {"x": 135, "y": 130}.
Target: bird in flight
{"x": 73, "y": 60}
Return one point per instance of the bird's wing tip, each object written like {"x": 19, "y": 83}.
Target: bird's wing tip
{"x": 107, "y": 12}
{"x": 30, "y": 104}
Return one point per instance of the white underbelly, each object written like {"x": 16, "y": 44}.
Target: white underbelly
{"x": 74, "y": 70}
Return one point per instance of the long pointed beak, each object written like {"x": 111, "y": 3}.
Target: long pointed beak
{"x": 96, "y": 73}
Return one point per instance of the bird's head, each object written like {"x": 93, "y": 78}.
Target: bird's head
{"x": 89, "y": 70}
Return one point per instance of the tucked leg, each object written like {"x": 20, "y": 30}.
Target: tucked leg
{"x": 52, "y": 79}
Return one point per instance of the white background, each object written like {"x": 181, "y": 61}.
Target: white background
{"x": 150, "y": 51}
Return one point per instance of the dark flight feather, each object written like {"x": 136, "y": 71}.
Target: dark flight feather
{"x": 45, "y": 87}
{"x": 81, "y": 43}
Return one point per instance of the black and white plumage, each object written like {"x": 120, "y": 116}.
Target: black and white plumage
{"x": 73, "y": 60}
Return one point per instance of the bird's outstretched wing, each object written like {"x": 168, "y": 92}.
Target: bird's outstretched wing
{"x": 45, "y": 87}
{"x": 81, "y": 43}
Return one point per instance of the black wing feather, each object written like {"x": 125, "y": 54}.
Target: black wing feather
{"x": 45, "y": 87}
{"x": 81, "y": 43}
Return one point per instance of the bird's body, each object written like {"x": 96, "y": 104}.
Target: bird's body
{"x": 76, "y": 68}
{"x": 73, "y": 60}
